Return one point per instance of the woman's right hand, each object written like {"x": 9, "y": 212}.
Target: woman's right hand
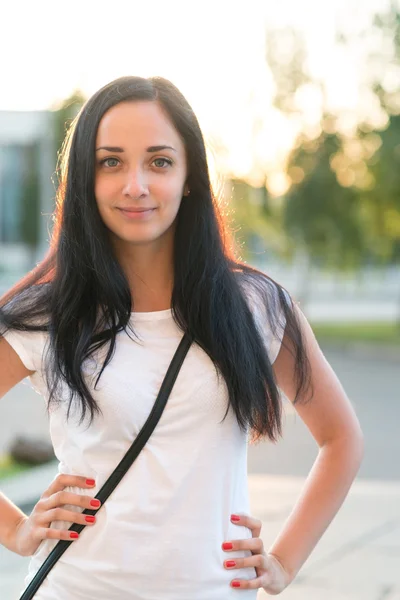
{"x": 32, "y": 530}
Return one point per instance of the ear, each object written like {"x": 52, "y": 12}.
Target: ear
{"x": 186, "y": 190}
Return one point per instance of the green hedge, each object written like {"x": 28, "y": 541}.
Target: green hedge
{"x": 379, "y": 333}
{"x": 9, "y": 467}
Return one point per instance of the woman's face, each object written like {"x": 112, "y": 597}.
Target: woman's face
{"x": 140, "y": 173}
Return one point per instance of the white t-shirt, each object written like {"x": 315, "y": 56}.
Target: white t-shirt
{"x": 159, "y": 535}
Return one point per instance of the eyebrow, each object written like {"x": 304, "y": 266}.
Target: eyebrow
{"x": 149, "y": 149}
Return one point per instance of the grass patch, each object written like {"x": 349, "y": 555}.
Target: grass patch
{"x": 373, "y": 333}
{"x": 9, "y": 467}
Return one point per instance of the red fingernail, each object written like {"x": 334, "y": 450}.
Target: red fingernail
{"x": 90, "y": 519}
{"x": 230, "y": 563}
{"x": 235, "y": 583}
{"x": 235, "y": 517}
{"x": 74, "y": 535}
{"x": 227, "y": 546}
{"x": 90, "y": 482}
{"x": 95, "y": 503}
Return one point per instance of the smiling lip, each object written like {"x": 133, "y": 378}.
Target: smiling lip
{"x": 139, "y": 209}
{"x": 138, "y": 214}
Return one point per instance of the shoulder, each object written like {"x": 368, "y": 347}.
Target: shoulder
{"x": 269, "y": 303}
{"x": 264, "y": 293}
{"x": 25, "y": 327}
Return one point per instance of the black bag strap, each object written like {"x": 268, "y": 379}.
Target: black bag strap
{"x": 122, "y": 468}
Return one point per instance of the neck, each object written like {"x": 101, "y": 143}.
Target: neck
{"x": 149, "y": 270}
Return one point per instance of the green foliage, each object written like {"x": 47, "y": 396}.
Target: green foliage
{"x": 30, "y": 195}
{"x": 255, "y": 220}
{"x": 320, "y": 216}
{"x": 286, "y": 57}
{"x": 382, "y": 202}
{"x": 30, "y": 202}
{"x": 64, "y": 114}
{"x": 9, "y": 467}
{"x": 374, "y": 333}
{"x": 343, "y": 207}
{"x": 319, "y": 213}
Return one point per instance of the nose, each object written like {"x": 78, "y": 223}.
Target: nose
{"x": 135, "y": 185}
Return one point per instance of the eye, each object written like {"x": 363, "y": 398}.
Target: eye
{"x": 165, "y": 160}
{"x": 105, "y": 160}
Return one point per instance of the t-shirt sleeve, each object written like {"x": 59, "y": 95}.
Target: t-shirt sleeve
{"x": 29, "y": 345}
{"x": 269, "y": 316}
{"x": 275, "y": 339}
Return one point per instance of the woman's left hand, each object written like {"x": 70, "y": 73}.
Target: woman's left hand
{"x": 271, "y": 575}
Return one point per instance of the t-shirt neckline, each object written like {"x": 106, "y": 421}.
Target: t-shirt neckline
{"x": 152, "y": 316}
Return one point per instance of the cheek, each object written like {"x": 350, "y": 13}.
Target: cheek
{"x": 103, "y": 190}
{"x": 170, "y": 201}
{"x": 167, "y": 190}
{"x": 105, "y": 199}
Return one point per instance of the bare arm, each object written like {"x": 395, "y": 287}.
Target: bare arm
{"x": 11, "y": 517}
{"x": 20, "y": 533}
{"x": 12, "y": 371}
{"x": 331, "y": 420}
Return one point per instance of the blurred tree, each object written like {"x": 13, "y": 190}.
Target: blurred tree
{"x": 379, "y": 158}
{"x": 342, "y": 207}
{"x": 383, "y": 199}
{"x": 382, "y": 202}
{"x": 255, "y": 221}
{"x": 286, "y": 57}
{"x": 30, "y": 210}
{"x": 64, "y": 114}
{"x": 321, "y": 214}
{"x": 256, "y": 212}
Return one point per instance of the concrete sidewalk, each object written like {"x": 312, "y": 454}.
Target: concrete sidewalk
{"x": 358, "y": 558}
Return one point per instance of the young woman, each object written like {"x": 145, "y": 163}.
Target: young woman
{"x": 139, "y": 256}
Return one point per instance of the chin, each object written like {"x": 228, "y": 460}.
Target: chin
{"x": 138, "y": 239}
{"x": 141, "y": 235}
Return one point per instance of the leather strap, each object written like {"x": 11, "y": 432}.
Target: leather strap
{"x": 122, "y": 468}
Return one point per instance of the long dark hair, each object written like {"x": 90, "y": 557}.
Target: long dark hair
{"x": 79, "y": 293}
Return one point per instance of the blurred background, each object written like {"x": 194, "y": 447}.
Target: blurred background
{"x": 300, "y": 107}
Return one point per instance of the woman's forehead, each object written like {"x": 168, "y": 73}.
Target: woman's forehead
{"x": 137, "y": 123}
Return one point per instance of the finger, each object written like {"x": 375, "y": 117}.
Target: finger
{"x": 59, "y": 514}
{"x": 247, "y": 521}
{"x": 63, "y": 498}
{"x": 63, "y": 480}
{"x": 57, "y": 534}
{"x": 255, "y": 545}
{"x": 257, "y": 560}
{"x": 248, "y": 584}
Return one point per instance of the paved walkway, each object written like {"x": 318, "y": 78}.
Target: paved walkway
{"x": 357, "y": 559}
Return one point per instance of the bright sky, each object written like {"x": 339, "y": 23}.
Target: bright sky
{"x": 213, "y": 50}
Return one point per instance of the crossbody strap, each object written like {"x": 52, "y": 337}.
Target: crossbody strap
{"x": 121, "y": 469}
